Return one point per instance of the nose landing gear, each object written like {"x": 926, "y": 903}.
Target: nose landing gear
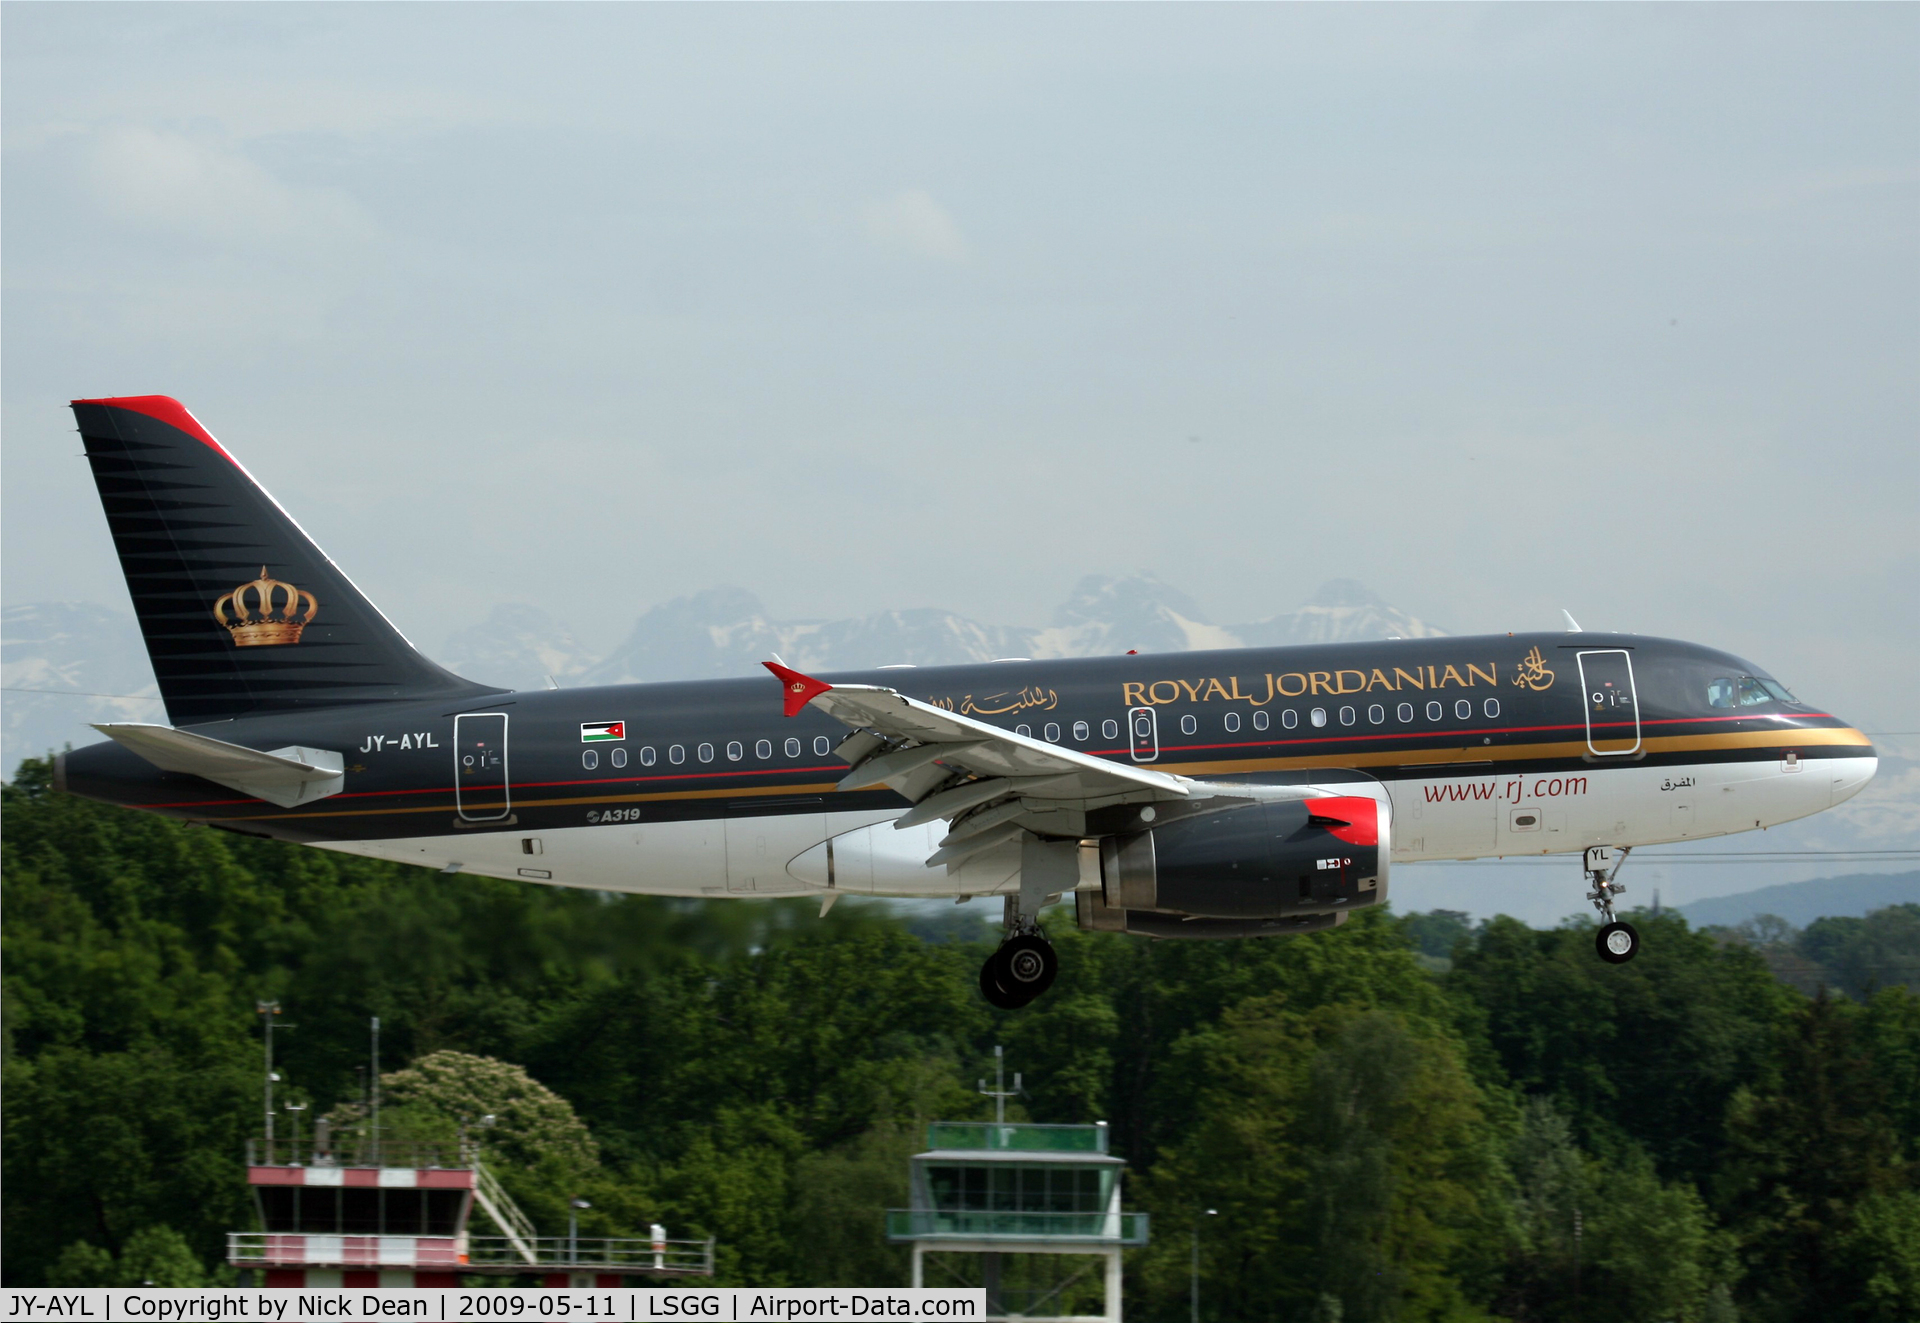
{"x": 1616, "y": 942}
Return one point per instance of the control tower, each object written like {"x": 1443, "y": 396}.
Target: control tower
{"x": 993, "y": 1189}
{"x": 386, "y": 1214}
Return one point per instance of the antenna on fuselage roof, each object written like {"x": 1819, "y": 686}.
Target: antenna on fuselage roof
{"x": 1573, "y": 626}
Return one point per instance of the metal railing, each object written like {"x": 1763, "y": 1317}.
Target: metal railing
{"x": 353, "y": 1151}
{"x": 1021, "y": 1138}
{"x": 289, "y": 1249}
{"x": 658, "y": 1258}
{"x": 475, "y": 1254}
{"x": 984, "y": 1224}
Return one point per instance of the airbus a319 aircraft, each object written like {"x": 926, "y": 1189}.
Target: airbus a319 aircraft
{"x": 1244, "y": 793}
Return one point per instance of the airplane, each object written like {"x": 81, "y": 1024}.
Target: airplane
{"x": 1219, "y": 794}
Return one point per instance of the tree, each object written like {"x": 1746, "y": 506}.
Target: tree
{"x": 1804, "y": 1155}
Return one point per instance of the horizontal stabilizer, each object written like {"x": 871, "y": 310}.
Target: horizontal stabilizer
{"x": 286, "y": 777}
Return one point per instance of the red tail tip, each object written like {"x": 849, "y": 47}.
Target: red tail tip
{"x": 796, "y": 689}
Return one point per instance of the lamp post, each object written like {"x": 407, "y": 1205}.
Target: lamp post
{"x": 1211, "y": 1212}
{"x": 295, "y": 1109}
{"x": 269, "y": 1009}
{"x": 573, "y": 1228}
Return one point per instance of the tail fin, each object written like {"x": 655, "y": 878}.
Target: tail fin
{"x": 243, "y": 615}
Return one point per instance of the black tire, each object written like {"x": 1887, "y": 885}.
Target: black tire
{"x": 1026, "y": 966}
{"x": 997, "y": 995}
{"x": 1617, "y": 943}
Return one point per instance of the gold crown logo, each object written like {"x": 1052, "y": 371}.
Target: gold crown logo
{"x": 265, "y": 612}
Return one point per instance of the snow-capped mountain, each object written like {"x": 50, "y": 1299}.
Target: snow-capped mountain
{"x": 60, "y": 655}
{"x": 59, "y": 660}
{"x": 727, "y": 631}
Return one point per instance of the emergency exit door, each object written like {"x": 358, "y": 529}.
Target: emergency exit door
{"x": 480, "y": 790}
{"x": 1613, "y": 710}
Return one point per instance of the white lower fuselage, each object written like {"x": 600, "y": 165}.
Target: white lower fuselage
{"x": 1453, "y": 817}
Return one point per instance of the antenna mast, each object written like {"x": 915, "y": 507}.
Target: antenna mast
{"x": 999, "y": 1092}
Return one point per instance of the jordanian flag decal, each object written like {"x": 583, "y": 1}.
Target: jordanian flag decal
{"x": 592, "y": 732}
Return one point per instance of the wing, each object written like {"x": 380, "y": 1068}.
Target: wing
{"x": 990, "y": 784}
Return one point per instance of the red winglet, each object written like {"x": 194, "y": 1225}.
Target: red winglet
{"x": 797, "y": 689}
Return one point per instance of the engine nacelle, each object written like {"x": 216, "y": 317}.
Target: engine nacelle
{"x": 1257, "y": 870}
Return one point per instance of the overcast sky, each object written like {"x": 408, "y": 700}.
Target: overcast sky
{"x": 1496, "y": 309}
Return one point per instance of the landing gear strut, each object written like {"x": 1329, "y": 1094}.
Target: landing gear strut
{"x": 1616, "y": 942}
{"x": 1025, "y": 965}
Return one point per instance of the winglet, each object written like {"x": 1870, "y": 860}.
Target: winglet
{"x": 798, "y": 690}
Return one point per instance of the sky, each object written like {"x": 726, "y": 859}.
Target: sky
{"x": 1499, "y": 309}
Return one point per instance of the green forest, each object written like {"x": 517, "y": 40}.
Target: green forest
{"x": 1407, "y": 1118}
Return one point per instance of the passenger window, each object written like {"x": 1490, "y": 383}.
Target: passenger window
{"x": 763, "y": 749}
{"x": 704, "y": 753}
{"x": 1261, "y": 720}
{"x": 822, "y": 745}
{"x": 589, "y": 758}
{"x": 1289, "y": 718}
{"x": 1346, "y": 716}
{"x": 1376, "y": 714}
{"x": 1081, "y": 730}
{"x": 1404, "y": 712}
{"x": 646, "y": 755}
{"x": 1435, "y": 712}
{"x": 1110, "y": 730}
{"x": 677, "y": 754}
{"x": 1720, "y": 692}
{"x": 1463, "y": 709}
{"x": 618, "y": 757}
{"x": 1318, "y": 716}
{"x": 1491, "y": 707}
{"x": 1188, "y": 725}
{"x": 1023, "y": 730}
{"x": 1233, "y": 721}
{"x": 1052, "y": 732}
{"x": 734, "y": 751}
{"x": 793, "y": 748}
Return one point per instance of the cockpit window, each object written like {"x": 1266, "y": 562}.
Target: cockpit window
{"x": 1746, "y": 691}
{"x": 1755, "y": 690}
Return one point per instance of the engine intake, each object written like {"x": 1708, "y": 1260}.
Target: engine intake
{"x": 1257, "y": 870}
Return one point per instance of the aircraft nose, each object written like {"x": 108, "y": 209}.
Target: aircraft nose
{"x": 1852, "y": 773}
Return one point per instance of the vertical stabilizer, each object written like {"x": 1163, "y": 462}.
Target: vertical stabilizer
{"x": 242, "y": 614}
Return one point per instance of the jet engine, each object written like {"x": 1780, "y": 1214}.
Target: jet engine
{"x": 1259, "y": 869}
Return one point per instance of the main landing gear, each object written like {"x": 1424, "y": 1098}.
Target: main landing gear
{"x": 1616, "y": 942}
{"x": 1023, "y": 967}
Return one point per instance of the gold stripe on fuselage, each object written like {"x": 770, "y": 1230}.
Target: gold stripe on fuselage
{"x": 1438, "y": 759}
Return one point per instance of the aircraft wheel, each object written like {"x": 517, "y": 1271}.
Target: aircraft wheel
{"x": 991, "y": 988}
{"x": 1027, "y": 965}
{"x": 1617, "y": 943}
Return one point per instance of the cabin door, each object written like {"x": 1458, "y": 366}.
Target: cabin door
{"x": 1613, "y": 711}
{"x": 480, "y": 766}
